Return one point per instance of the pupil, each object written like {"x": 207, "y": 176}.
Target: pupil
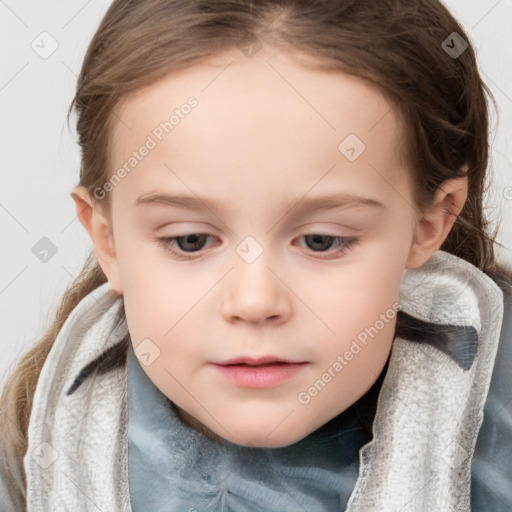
{"x": 195, "y": 240}
{"x": 318, "y": 239}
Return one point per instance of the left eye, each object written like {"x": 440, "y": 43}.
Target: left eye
{"x": 194, "y": 242}
{"x": 317, "y": 241}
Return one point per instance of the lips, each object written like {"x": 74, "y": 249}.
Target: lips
{"x": 260, "y": 372}
{"x": 260, "y": 361}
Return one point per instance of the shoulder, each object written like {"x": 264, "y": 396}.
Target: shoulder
{"x": 492, "y": 460}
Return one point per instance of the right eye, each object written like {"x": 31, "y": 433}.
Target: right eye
{"x": 189, "y": 244}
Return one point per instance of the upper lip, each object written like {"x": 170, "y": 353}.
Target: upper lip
{"x": 256, "y": 361}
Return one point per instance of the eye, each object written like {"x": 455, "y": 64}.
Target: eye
{"x": 191, "y": 242}
{"x": 319, "y": 243}
{"x": 323, "y": 243}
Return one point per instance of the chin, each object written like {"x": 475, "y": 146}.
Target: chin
{"x": 255, "y": 438}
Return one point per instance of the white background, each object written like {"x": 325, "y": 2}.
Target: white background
{"x": 40, "y": 159}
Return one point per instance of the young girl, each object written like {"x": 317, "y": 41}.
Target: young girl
{"x": 293, "y": 302}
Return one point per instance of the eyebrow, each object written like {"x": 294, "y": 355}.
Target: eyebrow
{"x": 299, "y": 206}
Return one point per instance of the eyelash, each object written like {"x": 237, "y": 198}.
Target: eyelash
{"x": 167, "y": 243}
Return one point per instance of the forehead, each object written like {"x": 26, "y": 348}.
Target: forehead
{"x": 271, "y": 114}
{"x": 269, "y": 84}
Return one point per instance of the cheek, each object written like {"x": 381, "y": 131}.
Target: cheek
{"x": 161, "y": 304}
{"x": 360, "y": 310}
{"x": 145, "y": 291}
{"x": 363, "y": 288}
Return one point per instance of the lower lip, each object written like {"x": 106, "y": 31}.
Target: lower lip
{"x": 263, "y": 376}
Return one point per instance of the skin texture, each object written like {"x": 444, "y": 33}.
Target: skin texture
{"x": 263, "y": 137}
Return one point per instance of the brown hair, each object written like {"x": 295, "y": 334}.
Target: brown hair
{"x": 397, "y": 45}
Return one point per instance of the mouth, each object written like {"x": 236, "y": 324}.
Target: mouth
{"x": 260, "y": 361}
{"x": 262, "y": 372}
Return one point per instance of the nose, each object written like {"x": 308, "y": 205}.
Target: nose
{"x": 256, "y": 294}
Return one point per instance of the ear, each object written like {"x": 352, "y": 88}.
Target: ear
{"x": 100, "y": 230}
{"x": 435, "y": 224}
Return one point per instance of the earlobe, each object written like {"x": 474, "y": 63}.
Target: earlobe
{"x": 100, "y": 230}
{"x": 435, "y": 224}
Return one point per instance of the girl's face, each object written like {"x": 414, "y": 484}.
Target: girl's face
{"x": 297, "y": 223}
